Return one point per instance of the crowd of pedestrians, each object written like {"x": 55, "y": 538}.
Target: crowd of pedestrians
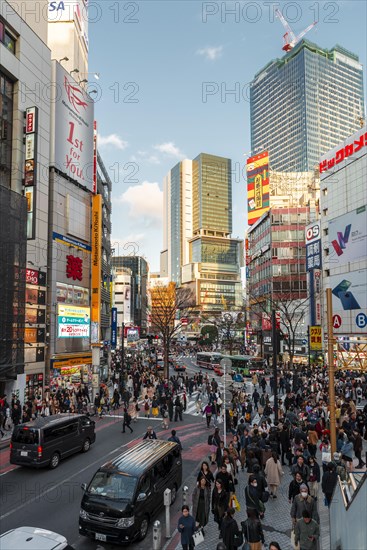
{"x": 299, "y": 440}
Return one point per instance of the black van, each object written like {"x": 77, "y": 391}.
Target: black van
{"x": 126, "y": 493}
{"x": 45, "y": 441}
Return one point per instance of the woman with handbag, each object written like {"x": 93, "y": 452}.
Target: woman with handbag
{"x": 253, "y": 504}
{"x": 206, "y": 473}
{"x": 186, "y": 526}
{"x": 253, "y": 533}
{"x": 201, "y": 502}
{"x": 220, "y": 500}
{"x": 231, "y": 535}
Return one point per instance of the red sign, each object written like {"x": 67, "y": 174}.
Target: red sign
{"x": 337, "y": 321}
{"x": 343, "y": 153}
{"x": 184, "y": 321}
{"x": 30, "y": 121}
{"x": 74, "y": 268}
{"x": 266, "y": 321}
{"x": 31, "y": 276}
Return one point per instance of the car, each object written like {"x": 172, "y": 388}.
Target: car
{"x": 33, "y": 538}
{"x": 159, "y": 365}
{"x": 218, "y": 371}
{"x": 180, "y": 367}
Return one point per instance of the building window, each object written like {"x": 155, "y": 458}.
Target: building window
{"x": 7, "y": 38}
{"x": 6, "y": 130}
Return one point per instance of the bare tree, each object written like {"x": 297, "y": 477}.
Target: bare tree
{"x": 167, "y": 302}
{"x": 228, "y": 324}
{"x": 290, "y": 312}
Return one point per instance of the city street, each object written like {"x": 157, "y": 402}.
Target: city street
{"x": 51, "y": 498}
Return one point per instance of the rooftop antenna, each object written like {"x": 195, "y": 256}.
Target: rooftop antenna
{"x": 289, "y": 38}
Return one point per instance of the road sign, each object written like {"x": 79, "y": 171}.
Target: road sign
{"x": 337, "y": 321}
{"x": 226, "y": 363}
{"x": 361, "y": 320}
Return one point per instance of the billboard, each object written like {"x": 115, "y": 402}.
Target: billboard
{"x": 96, "y": 265}
{"x": 313, "y": 246}
{"x": 73, "y": 321}
{"x": 349, "y": 291}
{"x": 348, "y": 237}
{"x": 73, "y": 117}
{"x": 257, "y": 186}
{"x": 113, "y": 327}
{"x": 315, "y": 338}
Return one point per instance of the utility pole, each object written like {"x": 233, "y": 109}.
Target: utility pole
{"x": 122, "y": 351}
{"x": 330, "y": 346}
{"x": 275, "y": 373}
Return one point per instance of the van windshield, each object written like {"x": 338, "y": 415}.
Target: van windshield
{"x": 25, "y": 435}
{"x": 113, "y": 486}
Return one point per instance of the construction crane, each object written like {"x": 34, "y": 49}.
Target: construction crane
{"x": 289, "y": 38}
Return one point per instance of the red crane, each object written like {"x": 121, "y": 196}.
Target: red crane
{"x": 289, "y": 38}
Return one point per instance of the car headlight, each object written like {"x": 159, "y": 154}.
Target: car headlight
{"x": 125, "y": 522}
{"x": 83, "y": 514}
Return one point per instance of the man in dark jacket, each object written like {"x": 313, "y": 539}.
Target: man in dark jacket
{"x": 229, "y": 530}
{"x": 302, "y": 468}
{"x": 285, "y": 445}
{"x": 294, "y": 488}
{"x": 329, "y": 481}
{"x": 252, "y": 529}
{"x": 126, "y": 421}
{"x": 261, "y": 481}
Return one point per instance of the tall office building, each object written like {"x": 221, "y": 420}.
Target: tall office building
{"x": 304, "y": 104}
{"x": 198, "y": 251}
{"x": 139, "y": 284}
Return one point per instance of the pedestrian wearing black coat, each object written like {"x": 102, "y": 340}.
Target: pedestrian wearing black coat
{"x": 220, "y": 501}
{"x": 229, "y": 530}
{"x": 328, "y": 483}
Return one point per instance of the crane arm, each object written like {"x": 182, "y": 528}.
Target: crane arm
{"x": 279, "y": 14}
{"x": 301, "y": 34}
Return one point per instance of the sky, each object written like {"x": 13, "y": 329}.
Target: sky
{"x": 174, "y": 82}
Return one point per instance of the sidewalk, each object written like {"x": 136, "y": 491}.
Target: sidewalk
{"x": 276, "y": 523}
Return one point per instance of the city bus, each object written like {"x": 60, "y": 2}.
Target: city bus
{"x": 246, "y": 365}
{"x": 208, "y": 360}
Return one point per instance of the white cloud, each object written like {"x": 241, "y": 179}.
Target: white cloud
{"x": 169, "y": 148}
{"x": 114, "y": 140}
{"x": 146, "y": 157}
{"x": 145, "y": 202}
{"x": 211, "y": 53}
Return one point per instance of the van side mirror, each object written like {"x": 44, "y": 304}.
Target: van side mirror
{"x": 141, "y": 496}
{"x": 84, "y": 486}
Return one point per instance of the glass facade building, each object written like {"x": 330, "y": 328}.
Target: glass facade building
{"x": 304, "y": 104}
{"x": 212, "y": 194}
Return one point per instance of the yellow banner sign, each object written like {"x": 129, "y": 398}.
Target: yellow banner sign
{"x": 315, "y": 338}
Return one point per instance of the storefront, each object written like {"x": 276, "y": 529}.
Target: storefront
{"x": 71, "y": 372}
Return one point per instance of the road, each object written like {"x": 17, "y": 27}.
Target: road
{"x": 51, "y": 498}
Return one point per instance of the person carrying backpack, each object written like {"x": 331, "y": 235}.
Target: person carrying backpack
{"x": 126, "y": 421}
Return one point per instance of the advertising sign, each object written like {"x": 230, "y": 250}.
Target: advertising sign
{"x": 266, "y": 321}
{"x": 315, "y": 338}
{"x": 73, "y": 118}
{"x": 349, "y": 291}
{"x": 257, "y": 186}
{"x": 113, "y": 327}
{"x": 348, "y": 237}
{"x": 30, "y": 165}
{"x": 73, "y": 321}
{"x": 313, "y": 246}
{"x": 345, "y": 153}
{"x": 96, "y": 263}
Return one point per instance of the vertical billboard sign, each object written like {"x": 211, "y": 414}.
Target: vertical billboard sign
{"x": 313, "y": 246}
{"x": 257, "y": 186}
{"x": 96, "y": 267}
{"x": 30, "y": 168}
{"x": 113, "y": 327}
{"x": 74, "y": 120}
{"x": 94, "y": 157}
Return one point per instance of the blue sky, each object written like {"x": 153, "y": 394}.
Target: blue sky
{"x": 166, "y": 71}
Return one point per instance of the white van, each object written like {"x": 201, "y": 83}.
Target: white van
{"x": 33, "y": 538}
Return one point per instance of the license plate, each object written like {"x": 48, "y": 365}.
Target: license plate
{"x": 99, "y": 536}
{"x": 23, "y": 453}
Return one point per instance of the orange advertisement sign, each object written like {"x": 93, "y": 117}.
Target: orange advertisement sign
{"x": 96, "y": 266}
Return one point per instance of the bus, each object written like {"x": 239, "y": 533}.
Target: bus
{"x": 246, "y": 365}
{"x": 208, "y": 360}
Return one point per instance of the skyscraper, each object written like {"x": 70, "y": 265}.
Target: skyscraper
{"x": 198, "y": 250}
{"x": 304, "y": 104}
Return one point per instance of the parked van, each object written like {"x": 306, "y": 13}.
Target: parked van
{"x": 45, "y": 441}
{"x": 126, "y": 493}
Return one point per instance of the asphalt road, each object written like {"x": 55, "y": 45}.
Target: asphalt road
{"x": 50, "y": 499}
